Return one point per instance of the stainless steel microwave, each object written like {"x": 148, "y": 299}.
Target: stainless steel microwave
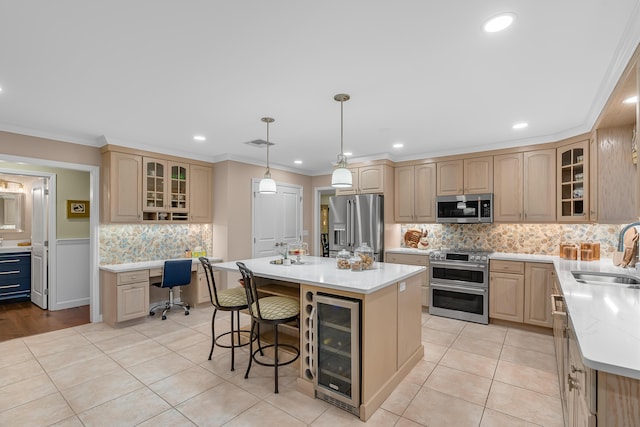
{"x": 465, "y": 209}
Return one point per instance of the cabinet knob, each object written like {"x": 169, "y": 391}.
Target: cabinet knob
{"x": 574, "y": 369}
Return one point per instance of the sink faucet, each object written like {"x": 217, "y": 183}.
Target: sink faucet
{"x": 621, "y": 236}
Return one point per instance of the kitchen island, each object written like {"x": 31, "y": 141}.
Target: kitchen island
{"x": 390, "y": 318}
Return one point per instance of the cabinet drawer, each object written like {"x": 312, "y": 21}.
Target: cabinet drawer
{"x": 514, "y": 267}
{"x": 133, "y": 277}
{"x": 15, "y": 262}
{"x": 410, "y": 259}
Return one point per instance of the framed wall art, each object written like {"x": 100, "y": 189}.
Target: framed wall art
{"x": 77, "y": 209}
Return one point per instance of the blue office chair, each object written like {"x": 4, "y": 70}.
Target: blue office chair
{"x": 175, "y": 273}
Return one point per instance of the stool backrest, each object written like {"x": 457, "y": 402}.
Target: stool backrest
{"x": 250, "y": 289}
{"x": 211, "y": 281}
{"x": 176, "y": 272}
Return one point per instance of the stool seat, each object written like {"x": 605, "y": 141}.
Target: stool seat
{"x": 277, "y": 308}
{"x": 232, "y": 298}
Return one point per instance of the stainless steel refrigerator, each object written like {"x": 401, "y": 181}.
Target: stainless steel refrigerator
{"x": 354, "y": 220}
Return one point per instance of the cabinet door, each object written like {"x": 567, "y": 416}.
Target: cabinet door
{"x": 573, "y": 182}
{"x": 424, "y": 206}
{"x": 154, "y": 187}
{"x": 178, "y": 188}
{"x": 371, "y": 179}
{"x": 507, "y": 183}
{"x": 124, "y": 202}
{"x": 537, "y": 294}
{"x": 540, "y": 186}
{"x": 132, "y": 301}
{"x": 450, "y": 178}
{"x": 506, "y": 297}
{"x": 404, "y": 194}
{"x": 201, "y": 194}
{"x": 478, "y": 175}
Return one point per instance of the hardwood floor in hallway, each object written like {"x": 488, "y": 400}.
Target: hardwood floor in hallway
{"x": 23, "y": 318}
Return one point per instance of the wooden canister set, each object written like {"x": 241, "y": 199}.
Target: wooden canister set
{"x": 587, "y": 251}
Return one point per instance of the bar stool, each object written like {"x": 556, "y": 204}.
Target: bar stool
{"x": 274, "y": 311}
{"x": 232, "y": 300}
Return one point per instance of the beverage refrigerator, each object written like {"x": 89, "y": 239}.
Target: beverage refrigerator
{"x": 335, "y": 329}
{"x": 354, "y": 220}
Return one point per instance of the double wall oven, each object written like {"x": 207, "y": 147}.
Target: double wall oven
{"x": 459, "y": 285}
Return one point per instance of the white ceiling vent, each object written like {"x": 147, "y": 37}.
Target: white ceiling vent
{"x": 260, "y": 143}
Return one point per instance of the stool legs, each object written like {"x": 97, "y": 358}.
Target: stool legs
{"x": 213, "y": 331}
{"x": 275, "y": 358}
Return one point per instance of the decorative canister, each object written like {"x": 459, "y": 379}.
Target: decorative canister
{"x": 356, "y": 263}
{"x": 366, "y": 255}
{"x": 342, "y": 259}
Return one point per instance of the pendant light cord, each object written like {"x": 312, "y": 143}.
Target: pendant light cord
{"x": 341, "y": 128}
{"x": 268, "y": 169}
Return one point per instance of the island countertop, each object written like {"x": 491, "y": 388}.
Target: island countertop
{"x": 323, "y": 272}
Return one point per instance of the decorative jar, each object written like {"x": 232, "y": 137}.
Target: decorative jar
{"x": 343, "y": 260}
{"x": 366, "y": 256}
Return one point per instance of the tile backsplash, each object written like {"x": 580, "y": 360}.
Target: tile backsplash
{"x": 541, "y": 239}
{"x": 145, "y": 242}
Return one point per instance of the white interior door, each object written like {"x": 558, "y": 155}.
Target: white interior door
{"x": 277, "y": 218}
{"x": 39, "y": 243}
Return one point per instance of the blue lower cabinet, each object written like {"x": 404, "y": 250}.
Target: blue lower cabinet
{"x": 15, "y": 275}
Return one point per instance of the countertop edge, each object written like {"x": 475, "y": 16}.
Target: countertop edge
{"x": 143, "y": 265}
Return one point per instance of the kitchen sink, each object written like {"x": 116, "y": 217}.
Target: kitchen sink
{"x": 597, "y": 278}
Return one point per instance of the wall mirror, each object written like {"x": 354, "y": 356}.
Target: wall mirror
{"x": 11, "y": 212}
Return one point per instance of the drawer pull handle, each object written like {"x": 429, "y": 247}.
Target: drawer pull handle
{"x": 9, "y": 286}
{"x": 9, "y": 260}
{"x": 10, "y": 272}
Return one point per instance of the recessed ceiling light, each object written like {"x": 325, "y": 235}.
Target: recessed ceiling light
{"x": 398, "y": 145}
{"x": 521, "y": 125}
{"x": 631, "y": 100}
{"x": 348, "y": 153}
{"x": 498, "y": 22}
{"x": 297, "y": 162}
{"x": 199, "y": 138}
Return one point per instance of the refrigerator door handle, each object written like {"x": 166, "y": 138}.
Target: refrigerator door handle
{"x": 349, "y": 224}
{"x": 352, "y": 222}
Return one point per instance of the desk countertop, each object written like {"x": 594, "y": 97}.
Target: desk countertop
{"x": 143, "y": 265}
{"x": 323, "y": 272}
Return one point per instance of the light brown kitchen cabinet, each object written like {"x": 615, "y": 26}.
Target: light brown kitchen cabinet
{"x": 580, "y": 388}
{"x": 539, "y": 186}
{"x": 573, "y": 182}
{"x": 124, "y": 296}
{"x": 366, "y": 180}
{"x": 415, "y": 193}
{"x": 612, "y": 194}
{"x": 478, "y": 175}
{"x": 450, "y": 178}
{"x": 521, "y": 292}
{"x": 507, "y": 182}
{"x": 414, "y": 259}
{"x": 465, "y": 176}
{"x": 506, "y": 290}
{"x": 538, "y": 285}
{"x": 201, "y": 194}
{"x": 165, "y": 189}
{"x": 121, "y": 187}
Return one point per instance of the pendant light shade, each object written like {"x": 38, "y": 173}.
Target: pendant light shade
{"x": 267, "y": 185}
{"x": 341, "y": 176}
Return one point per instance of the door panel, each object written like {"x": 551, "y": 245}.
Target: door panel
{"x": 39, "y": 256}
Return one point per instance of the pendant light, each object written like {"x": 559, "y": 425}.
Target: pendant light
{"x": 341, "y": 177}
{"x": 267, "y": 185}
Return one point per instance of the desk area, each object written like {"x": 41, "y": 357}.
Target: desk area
{"x": 125, "y": 291}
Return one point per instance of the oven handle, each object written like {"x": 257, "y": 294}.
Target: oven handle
{"x": 459, "y": 265}
{"x": 467, "y": 289}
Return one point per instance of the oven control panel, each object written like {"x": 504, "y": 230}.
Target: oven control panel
{"x": 478, "y": 257}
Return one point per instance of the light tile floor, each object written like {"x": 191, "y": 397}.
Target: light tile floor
{"x": 156, "y": 373}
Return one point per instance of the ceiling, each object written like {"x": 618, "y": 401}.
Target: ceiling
{"x": 151, "y": 74}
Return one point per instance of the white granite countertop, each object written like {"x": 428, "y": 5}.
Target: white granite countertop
{"x": 606, "y": 318}
{"x": 323, "y": 272}
{"x": 505, "y": 256}
{"x": 144, "y": 265}
{"x": 5, "y": 249}
{"x": 414, "y": 251}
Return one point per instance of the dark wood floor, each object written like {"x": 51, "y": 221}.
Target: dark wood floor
{"x": 23, "y": 318}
